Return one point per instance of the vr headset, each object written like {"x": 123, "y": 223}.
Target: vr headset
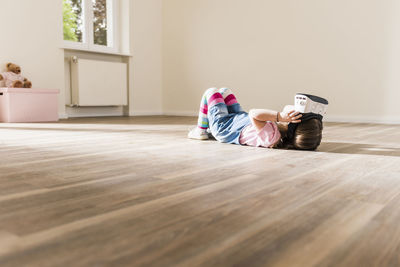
{"x": 311, "y": 107}
{"x": 305, "y": 103}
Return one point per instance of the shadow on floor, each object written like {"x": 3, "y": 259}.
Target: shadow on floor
{"x": 362, "y": 149}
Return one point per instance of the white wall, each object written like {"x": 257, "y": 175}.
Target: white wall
{"x": 31, "y": 35}
{"x": 346, "y": 50}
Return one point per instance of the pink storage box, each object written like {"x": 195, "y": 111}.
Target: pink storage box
{"x": 28, "y": 105}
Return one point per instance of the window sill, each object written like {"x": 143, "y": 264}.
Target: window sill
{"x": 96, "y": 51}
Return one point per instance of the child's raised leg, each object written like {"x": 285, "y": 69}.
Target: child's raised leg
{"x": 230, "y": 101}
{"x": 211, "y": 97}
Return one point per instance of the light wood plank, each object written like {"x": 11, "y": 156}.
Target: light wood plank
{"x": 136, "y": 192}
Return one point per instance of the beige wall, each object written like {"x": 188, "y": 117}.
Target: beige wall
{"x": 140, "y": 36}
{"x": 345, "y": 50}
{"x": 146, "y": 28}
{"x": 31, "y": 36}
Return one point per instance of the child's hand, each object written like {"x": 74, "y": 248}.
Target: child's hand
{"x": 291, "y": 116}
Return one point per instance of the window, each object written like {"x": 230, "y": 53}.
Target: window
{"x": 90, "y": 25}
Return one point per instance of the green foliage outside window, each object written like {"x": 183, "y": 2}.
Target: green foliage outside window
{"x": 72, "y": 19}
{"x": 69, "y": 21}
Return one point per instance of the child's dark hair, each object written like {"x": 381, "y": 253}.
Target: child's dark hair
{"x": 308, "y": 135}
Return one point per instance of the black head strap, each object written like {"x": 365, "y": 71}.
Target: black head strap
{"x": 293, "y": 126}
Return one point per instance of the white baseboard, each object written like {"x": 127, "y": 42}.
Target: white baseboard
{"x": 328, "y": 118}
{"x": 62, "y": 116}
{"x": 145, "y": 113}
{"x": 79, "y": 112}
{"x": 363, "y": 119}
{"x": 333, "y": 118}
{"x": 348, "y": 119}
{"x": 182, "y": 113}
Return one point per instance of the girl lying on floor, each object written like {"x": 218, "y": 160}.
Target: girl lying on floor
{"x": 222, "y": 115}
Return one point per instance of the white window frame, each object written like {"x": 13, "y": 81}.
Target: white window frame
{"x": 87, "y": 35}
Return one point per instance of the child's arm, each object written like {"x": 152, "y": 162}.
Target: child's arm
{"x": 259, "y": 117}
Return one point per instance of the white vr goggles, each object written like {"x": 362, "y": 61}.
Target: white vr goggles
{"x": 305, "y": 103}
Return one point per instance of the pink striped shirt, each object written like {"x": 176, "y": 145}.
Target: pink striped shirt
{"x": 266, "y": 137}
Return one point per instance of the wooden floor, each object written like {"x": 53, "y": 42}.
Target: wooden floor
{"x": 136, "y": 192}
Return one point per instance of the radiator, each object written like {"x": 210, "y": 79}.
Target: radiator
{"x": 98, "y": 83}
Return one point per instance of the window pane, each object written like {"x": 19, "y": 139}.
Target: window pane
{"x": 73, "y": 20}
{"x": 100, "y": 22}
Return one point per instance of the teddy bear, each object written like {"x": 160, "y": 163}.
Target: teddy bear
{"x": 13, "y": 78}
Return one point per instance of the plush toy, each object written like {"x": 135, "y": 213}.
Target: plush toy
{"x": 13, "y": 78}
